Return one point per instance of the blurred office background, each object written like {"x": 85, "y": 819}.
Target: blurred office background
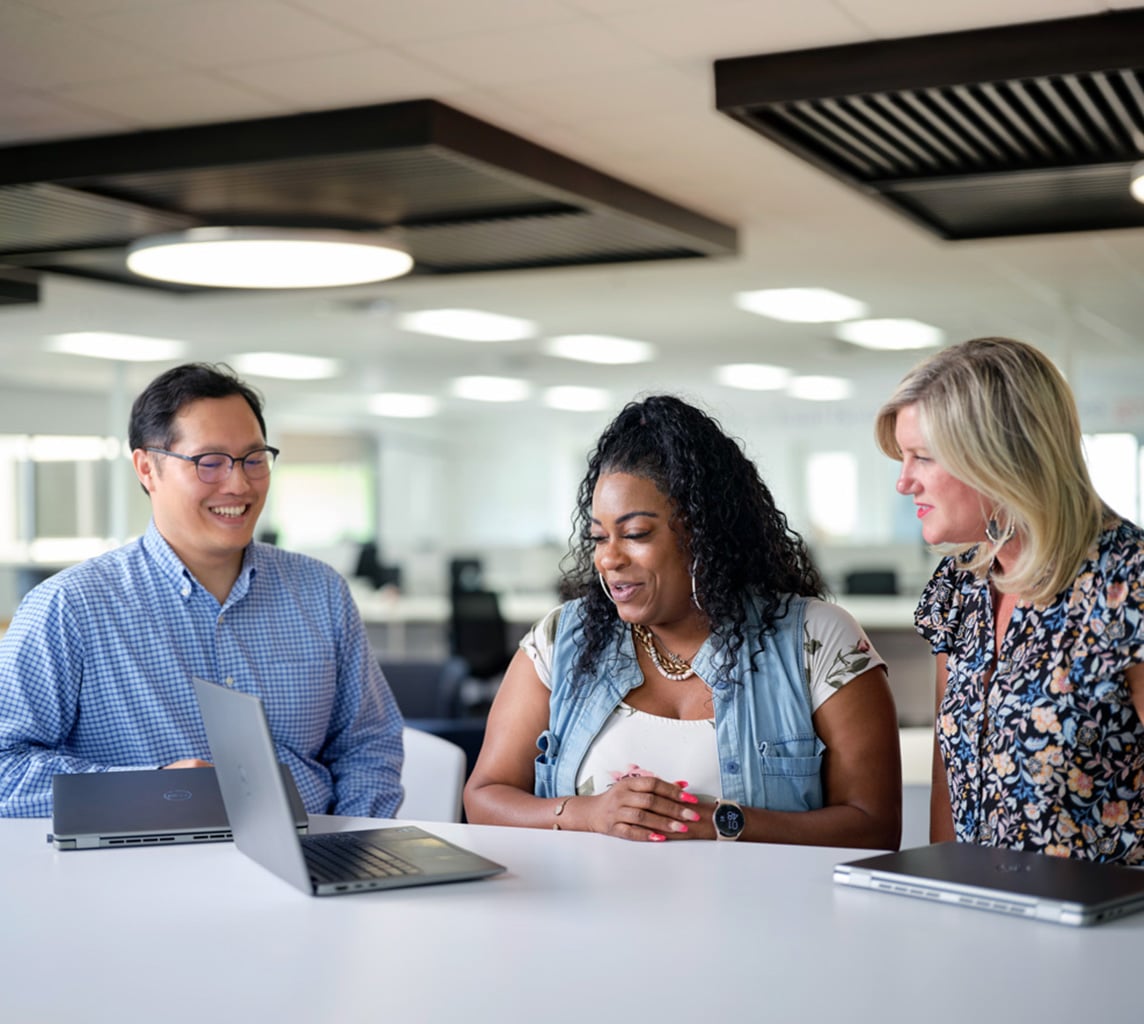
{"x": 388, "y": 452}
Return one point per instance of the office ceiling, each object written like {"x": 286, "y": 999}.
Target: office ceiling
{"x": 625, "y": 88}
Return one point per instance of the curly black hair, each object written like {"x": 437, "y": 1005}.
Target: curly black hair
{"x": 738, "y": 540}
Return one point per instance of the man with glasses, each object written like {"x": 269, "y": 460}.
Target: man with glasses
{"x": 96, "y": 667}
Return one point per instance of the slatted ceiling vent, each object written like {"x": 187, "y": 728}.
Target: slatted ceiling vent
{"x": 462, "y": 195}
{"x": 1020, "y": 130}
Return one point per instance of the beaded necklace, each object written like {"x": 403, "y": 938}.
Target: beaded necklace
{"x": 676, "y": 668}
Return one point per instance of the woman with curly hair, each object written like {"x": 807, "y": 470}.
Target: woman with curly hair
{"x": 697, "y": 687}
{"x": 1035, "y": 615}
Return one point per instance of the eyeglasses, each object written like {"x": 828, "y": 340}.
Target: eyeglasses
{"x": 215, "y": 467}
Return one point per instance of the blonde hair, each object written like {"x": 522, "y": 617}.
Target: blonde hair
{"x": 997, "y": 414}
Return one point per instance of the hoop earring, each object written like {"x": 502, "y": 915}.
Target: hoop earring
{"x": 994, "y": 534}
{"x": 694, "y": 595}
{"x": 604, "y": 587}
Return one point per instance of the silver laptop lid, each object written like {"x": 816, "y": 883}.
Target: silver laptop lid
{"x": 252, "y": 789}
{"x": 141, "y": 807}
{"x": 1008, "y": 881}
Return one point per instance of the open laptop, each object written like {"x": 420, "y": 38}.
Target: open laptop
{"x": 146, "y": 807}
{"x": 321, "y": 865}
{"x": 1020, "y": 882}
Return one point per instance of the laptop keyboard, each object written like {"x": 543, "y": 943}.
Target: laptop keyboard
{"x": 342, "y": 856}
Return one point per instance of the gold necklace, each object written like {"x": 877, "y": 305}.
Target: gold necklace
{"x": 676, "y": 668}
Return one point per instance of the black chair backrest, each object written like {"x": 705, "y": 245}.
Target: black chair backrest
{"x": 477, "y": 633}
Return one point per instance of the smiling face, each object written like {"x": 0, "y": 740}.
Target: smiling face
{"x": 642, "y": 559}
{"x": 207, "y": 525}
{"x": 951, "y": 512}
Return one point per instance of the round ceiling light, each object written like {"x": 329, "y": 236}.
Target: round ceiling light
{"x": 267, "y": 258}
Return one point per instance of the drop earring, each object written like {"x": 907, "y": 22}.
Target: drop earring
{"x": 694, "y": 595}
{"x": 995, "y": 534}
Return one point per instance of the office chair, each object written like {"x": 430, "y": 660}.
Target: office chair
{"x": 872, "y": 581}
{"x": 426, "y": 688}
{"x": 433, "y": 776}
{"x": 477, "y": 633}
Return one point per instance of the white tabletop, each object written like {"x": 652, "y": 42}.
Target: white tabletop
{"x": 582, "y": 928}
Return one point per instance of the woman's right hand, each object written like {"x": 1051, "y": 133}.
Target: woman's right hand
{"x": 642, "y": 808}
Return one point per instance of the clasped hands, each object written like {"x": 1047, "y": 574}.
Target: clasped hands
{"x": 648, "y": 809}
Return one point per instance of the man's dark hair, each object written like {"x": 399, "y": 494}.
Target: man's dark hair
{"x": 152, "y": 423}
{"x": 739, "y": 541}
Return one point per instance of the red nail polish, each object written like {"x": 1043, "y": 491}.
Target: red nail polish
{"x": 680, "y": 827}
{"x": 689, "y": 798}
{"x": 655, "y": 837}
{"x": 681, "y": 784}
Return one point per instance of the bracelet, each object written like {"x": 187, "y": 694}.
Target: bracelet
{"x": 559, "y": 811}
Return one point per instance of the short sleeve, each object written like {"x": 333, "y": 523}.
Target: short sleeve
{"x": 538, "y": 643}
{"x": 938, "y": 614}
{"x": 837, "y": 650}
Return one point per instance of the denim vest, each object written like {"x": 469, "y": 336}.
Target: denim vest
{"x": 769, "y": 753}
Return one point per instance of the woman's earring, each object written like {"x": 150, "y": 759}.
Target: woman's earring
{"x": 604, "y": 586}
{"x": 995, "y": 534}
{"x": 694, "y": 595}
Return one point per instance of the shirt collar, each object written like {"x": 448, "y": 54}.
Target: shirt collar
{"x": 172, "y": 567}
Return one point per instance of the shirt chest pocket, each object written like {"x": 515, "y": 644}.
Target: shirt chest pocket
{"x": 792, "y": 772}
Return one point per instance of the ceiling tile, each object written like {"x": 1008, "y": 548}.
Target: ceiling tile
{"x": 45, "y": 55}
{"x": 26, "y": 116}
{"x": 345, "y": 79}
{"x": 226, "y": 33}
{"x": 891, "y": 18}
{"x": 681, "y": 28}
{"x": 433, "y": 19}
{"x": 525, "y": 55}
{"x": 167, "y": 100}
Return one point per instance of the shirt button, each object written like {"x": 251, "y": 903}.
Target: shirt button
{"x": 185, "y": 592}
{"x": 983, "y": 831}
{"x": 733, "y": 767}
{"x": 230, "y": 681}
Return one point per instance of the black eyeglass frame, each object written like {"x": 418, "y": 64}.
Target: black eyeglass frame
{"x": 197, "y": 459}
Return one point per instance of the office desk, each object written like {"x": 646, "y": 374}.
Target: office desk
{"x": 583, "y": 928}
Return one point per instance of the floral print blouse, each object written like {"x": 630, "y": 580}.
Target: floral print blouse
{"x": 1050, "y": 756}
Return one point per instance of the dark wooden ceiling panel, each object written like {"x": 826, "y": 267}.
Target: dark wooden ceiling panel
{"x": 463, "y": 195}
{"x": 1017, "y": 130}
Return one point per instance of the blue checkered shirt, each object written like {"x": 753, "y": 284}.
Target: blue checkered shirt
{"x": 96, "y": 668}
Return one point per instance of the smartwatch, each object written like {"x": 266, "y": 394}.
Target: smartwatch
{"x": 728, "y": 819}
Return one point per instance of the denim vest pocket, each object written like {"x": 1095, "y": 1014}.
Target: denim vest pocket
{"x": 792, "y": 773}
{"x": 545, "y": 764}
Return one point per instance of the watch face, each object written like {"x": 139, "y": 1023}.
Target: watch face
{"x": 729, "y": 819}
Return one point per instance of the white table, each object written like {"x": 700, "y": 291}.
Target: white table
{"x": 583, "y": 928}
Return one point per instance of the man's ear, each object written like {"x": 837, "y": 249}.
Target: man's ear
{"x": 144, "y": 468}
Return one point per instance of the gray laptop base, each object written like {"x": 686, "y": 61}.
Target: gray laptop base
{"x": 146, "y": 807}
{"x": 257, "y": 806}
{"x": 1018, "y": 882}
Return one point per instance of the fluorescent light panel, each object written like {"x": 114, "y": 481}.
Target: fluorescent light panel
{"x": 403, "y": 406}
{"x": 820, "y": 389}
{"x": 286, "y": 366}
{"x": 753, "y": 376}
{"x": 600, "y": 348}
{"x": 801, "y": 305}
{"x": 129, "y": 348}
{"x": 492, "y": 389}
{"x": 891, "y": 335}
{"x": 576, "y": 399}
{"x": 467, "y": 325}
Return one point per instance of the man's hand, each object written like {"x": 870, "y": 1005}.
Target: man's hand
{"x": 189, "y": 762}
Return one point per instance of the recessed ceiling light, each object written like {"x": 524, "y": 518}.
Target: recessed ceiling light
{"x": 492, "y": 389}
{"x": 753, "y": 376}
{"x": 600, "y": 348}
{"x": 130, "y": 348}
{"x": 801, "y": 305}
{"x": 890, "y": 335}
{"x": 286, "y": 366}
{"x": 576, "y": 399}
{"x": 467, "y": 325}
{"x": 267, "y": 258}
{"x": 402, "y": 406}
{"x": 1137, "y": 184}
{"x": 820, "y": 389}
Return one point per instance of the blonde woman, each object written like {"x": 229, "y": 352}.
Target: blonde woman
{"x": 1034, "y": 615}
